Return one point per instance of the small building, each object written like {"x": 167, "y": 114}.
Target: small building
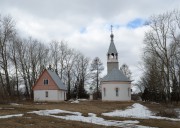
{"x": 115, "y": 85}
{"x": 49, "y": 87}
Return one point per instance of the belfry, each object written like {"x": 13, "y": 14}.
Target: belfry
{"x": 115, "y": 85}
{"x": 112, "y": 55}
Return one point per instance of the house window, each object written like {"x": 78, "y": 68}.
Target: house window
{"x": 46, "y": 93}
{"x": 104, "y": 92}
{"x": 117, "y": 91}
{"x": 45, "y": 81}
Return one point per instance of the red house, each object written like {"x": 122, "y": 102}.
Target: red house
{"x": 49, "y": 87}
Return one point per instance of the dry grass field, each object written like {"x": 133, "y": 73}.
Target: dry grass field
{"x": 35, "y": 121}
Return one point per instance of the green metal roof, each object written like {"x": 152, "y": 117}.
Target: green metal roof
{"x": 116, "y": 75}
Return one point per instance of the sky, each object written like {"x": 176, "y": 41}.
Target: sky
{"x": 85, "y": 24}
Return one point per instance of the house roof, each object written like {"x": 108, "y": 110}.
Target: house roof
{"x": 116, "y": 75}
{"x": 56, "y": 79}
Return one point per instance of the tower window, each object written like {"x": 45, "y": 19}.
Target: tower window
{"x": 117, "y": 91}
{"x": 46, "y": 82}
{"x": 112, "y": 55}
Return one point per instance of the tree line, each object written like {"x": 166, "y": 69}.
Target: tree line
{"x": 22, "y": 60}
{"x": 161, "y": 58}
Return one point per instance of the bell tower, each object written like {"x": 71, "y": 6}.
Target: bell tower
{"x": 112, "y": 55}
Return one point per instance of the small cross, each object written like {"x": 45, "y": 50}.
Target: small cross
{"x": 111, "y": 28}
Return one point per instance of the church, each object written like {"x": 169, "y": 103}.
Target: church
{"x": 115, "y": 85}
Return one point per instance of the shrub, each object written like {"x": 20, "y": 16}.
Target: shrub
{"x": 171, "y": 113}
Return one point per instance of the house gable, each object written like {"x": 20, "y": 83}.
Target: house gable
{"x": 39, "y": 85}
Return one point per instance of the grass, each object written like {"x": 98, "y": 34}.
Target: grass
{"x": 85, "y": 107}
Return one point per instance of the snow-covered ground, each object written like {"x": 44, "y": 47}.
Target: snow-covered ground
{"x": 75, "y": 101}
{"x": 9, "y": 116}
{"x": 137, "y": 111}
{"x": 92, "y": 118}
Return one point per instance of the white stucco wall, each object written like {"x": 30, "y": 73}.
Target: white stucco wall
{"x": 53, "y": 95}
{"x": 110, "y": 92}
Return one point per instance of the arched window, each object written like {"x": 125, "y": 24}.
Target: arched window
{"x": 112, "y": 55}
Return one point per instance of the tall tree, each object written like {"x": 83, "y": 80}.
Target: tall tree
{"x": 81, "y": 74}
{"x": 161, "y": 46}
{"x": 13, "y": 58}
{"x": 7, "y": 33}
{"x": 96, "y": 69}
{"x": 69, "y": 63}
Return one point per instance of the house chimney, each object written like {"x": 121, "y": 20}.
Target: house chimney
{"x": 49, "y": 67}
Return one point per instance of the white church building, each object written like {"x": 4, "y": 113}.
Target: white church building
{"x": 115, "y": 85}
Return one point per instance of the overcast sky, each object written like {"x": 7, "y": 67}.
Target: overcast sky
{"x": 85, "y": 24}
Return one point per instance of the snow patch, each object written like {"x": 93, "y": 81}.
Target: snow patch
{"x": 9, "y": 116}
{"x": 76, "y": 101}
{"x": 82, "y": 99}
{"x": 15, "y": 104}
{"x": 77, "y": 116}
{"x": 137, "y": 111}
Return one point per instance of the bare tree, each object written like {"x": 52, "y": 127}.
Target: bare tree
{"x": 7, "y": 33}
{"x": 80, "y": 71}
{"x": 69, "y": 63}
{"x": 96, "y": 69}
{"x": 126, "y": 71}
{"x": 13, "y": 58}
{"x": 161, "y": 45}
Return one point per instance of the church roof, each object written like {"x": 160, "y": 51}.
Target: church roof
{"x": 112, "y": 48}
{"x": 56, "y": 79}
{"x": 116, "y": 75}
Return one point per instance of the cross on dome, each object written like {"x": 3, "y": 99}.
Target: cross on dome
{"x": 112, "y": 36}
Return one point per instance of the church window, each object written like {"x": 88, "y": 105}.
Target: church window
{"x": 129, "y": 91}
{"x": 104, "y": 92}
{"x": 117, "y": 91}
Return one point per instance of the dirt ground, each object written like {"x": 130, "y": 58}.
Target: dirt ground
{"x": 34, "y": 121}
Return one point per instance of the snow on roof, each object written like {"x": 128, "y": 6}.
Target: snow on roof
{"x": 56, "y": 79}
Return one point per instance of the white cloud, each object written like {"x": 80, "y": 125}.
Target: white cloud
{"x": 63, "y": 20}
